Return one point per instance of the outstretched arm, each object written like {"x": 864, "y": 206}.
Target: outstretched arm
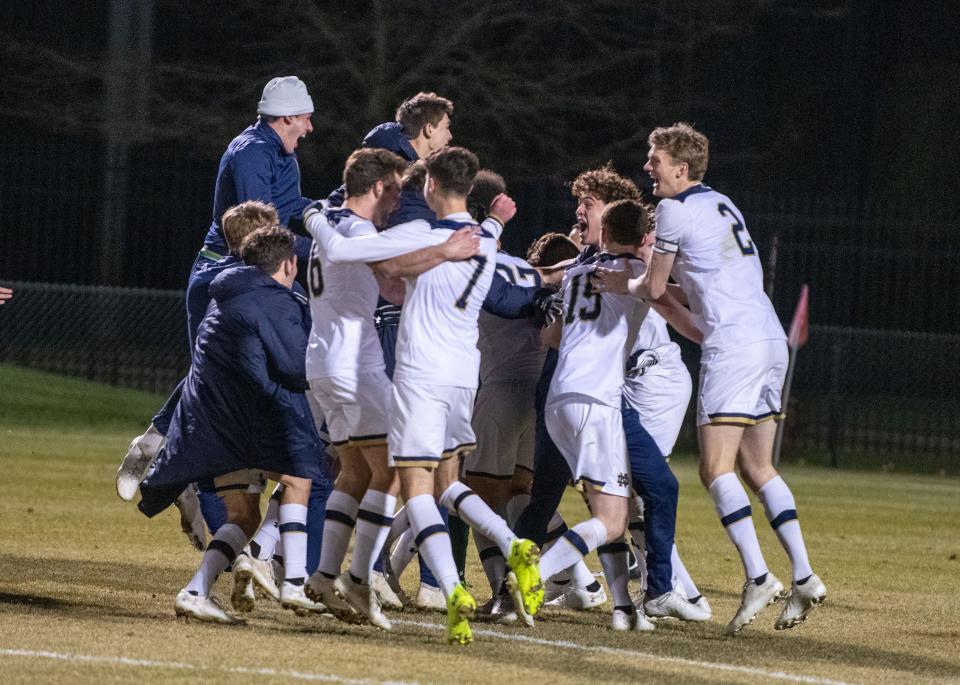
{"x": 461, "y": 245}
{"x": 367, "y": 248}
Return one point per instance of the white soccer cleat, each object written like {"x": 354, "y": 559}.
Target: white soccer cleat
{"x": 242, "y": 598}
{"x": 191, "y": 518}
{"x": 292, "y": 597}
{"x": 362, "y": 598}
{"x": 137, "y": 461}
{"x": 674, "y": 605}
{"x": 386, "y": 594}
{"x": 621, "y": 620}
{"x": 320, "y": 589}
{"x": 801, "y": 601}
{"x": 578, "y": 598}
{"x": 430, "y": 598}
{"x": 755, "y": 598}
{"x": 264, "y": 580}
{"x": 704, "y": 605}
{"x": 207, "y": 609}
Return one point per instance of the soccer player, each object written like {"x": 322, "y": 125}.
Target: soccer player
{"x": 583, "y": 404}
{"x": 703, "y": 242}
{"x": 349, "y": 387}
{"x": 243, "y": 412}
{"x": 436, "y": 377}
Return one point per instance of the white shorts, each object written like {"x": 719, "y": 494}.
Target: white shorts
{"x": 429, "y": 423}
{"x": 504, "y": 421}
{"x": 355, "y": 409}
{"x": 590, "y": 437}
{"x": 742, "y": 387}
{"x": 660, "y": 397}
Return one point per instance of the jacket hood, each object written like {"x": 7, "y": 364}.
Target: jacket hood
{"x": 389, "y": 136}
{"x": 239, "y": 280}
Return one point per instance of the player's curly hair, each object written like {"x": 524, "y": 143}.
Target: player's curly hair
{"x": 242, "y": 219}
{"x": 453, "y": 168}
{"x": 422, "y": 109}
{"x": 487, "y": 184}
{"x": 550, "y": 249}
{"x": 605, "y": 184}
{"x": 685, "y": 144}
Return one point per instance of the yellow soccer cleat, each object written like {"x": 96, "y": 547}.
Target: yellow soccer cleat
{"x": 524, "y": 577}
{"x": 461, "y": 607}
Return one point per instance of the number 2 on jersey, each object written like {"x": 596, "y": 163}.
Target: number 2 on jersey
{"x": 461, "y": 302}
{"x": 584, "y": 313}
{"x": 737, "y": 226}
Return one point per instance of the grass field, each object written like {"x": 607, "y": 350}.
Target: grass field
{"x": 87, "y": 583}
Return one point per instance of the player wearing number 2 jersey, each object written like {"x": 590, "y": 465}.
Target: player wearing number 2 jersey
{"x": 703, "y": 241}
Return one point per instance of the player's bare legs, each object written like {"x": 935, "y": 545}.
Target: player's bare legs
{"x": 757, "y": 469}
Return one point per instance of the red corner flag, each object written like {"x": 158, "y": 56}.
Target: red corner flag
{"x": 799, "y": 327}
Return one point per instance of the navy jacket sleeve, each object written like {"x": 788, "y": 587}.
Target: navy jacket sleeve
{"x": 285, "y": 343}
{"x": 510, "y": 301}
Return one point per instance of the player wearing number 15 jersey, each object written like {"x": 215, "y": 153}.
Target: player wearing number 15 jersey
{"x": 703, "y": 241}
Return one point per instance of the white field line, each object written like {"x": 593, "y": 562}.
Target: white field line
{"x": 149, "y": 663}
{"x": 693, "y": 663}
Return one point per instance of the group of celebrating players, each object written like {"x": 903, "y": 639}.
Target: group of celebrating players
{"x": 472, "y": 384}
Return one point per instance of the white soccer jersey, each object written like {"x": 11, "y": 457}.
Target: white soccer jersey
{"x": 437, "y": 341}
{"x": 343, "y": 297}
{"x": 510, "y": 349}
{"x": 718, "y": 266}
{"x": 599, "y": 330}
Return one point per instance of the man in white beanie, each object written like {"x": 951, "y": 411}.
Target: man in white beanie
{"x": 259, "y": 164}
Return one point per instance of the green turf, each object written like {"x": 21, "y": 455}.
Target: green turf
{"x": 84, "y": 577}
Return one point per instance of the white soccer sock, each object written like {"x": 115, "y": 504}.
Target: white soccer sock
{"x": 782, "y": 514}
{"x": 373, "y": 525}
{"x": 293, "y": 530}
{"x": 265, "y": 541}
{"x": 338, "y": 522}
{"x": 581, "y": 575}
{"x": 400, "y": 524}
{"x": 682, "y": 576}
{"x": 574, "y": 545}
{"x": 466, "y": 504}
{"x": 494, "y": 565}
{"x": 616, "y": 569}
{"x": 733, "y": 507}
{"x": 403, "y": 552}
{"x": 515, "y": 507}
{"x": 221, "y": 551}
{"x": 433, "y": 541}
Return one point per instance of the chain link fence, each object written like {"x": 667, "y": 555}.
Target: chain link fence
{"x": 862, "y": 398}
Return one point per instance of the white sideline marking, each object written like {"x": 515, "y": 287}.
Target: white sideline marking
{"x": 708, "y": 665}
{"x": 149, "y": 663}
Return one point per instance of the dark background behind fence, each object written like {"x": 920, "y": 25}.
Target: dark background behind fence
{"x": 832, "y": 127}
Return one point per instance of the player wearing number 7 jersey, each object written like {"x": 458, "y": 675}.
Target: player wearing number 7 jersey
{"x": 703, "y": 241}
{"x": 435, "y": 378}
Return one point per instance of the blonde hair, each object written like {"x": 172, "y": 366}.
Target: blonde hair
{"x": 243, "y": 219}
{"x": 685, "y": 144}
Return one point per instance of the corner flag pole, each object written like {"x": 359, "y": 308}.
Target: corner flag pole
{"x": 799, "y": 333}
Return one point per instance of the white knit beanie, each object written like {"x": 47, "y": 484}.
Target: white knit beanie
{"x": 285, "y": 96}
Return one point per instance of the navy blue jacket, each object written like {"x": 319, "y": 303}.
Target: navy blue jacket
{"x": 198, "y": 292}
{"x": 243, "y": 404}
{"x": 256, "y": 167}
